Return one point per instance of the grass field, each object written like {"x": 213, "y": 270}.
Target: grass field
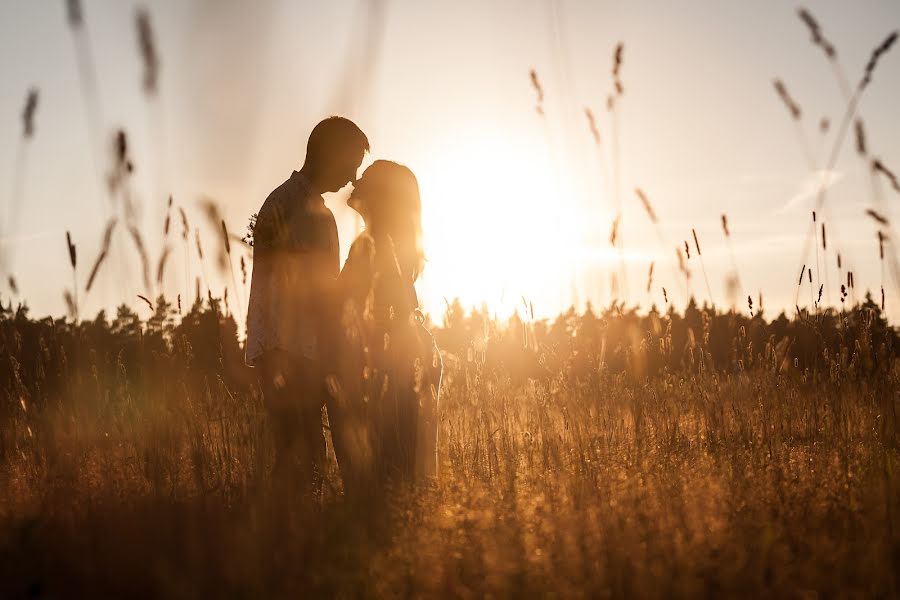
{"x": 611, "y": 455}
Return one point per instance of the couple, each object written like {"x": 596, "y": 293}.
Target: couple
{"x": 350, "y": 340}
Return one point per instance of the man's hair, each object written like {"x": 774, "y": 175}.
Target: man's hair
{"x": 334, "y": 135}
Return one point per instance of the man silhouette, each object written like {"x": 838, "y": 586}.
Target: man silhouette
{"x": 295, "y": 264}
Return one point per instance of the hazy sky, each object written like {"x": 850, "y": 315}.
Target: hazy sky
{"x": 514, "y": 204}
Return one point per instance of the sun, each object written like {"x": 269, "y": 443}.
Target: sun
{"x": 498, "y": 225}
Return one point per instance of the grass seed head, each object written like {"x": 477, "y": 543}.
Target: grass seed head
{"x": 789, "y": 102}
{"x": 538, "y": 90}
{"x": 147, "y": 48}
{"x": 199, "y": 246}
{"x": 815, "y": 32}
{"x": 861, "y": 148}
{"x": 74, "y": 14}
{"x": 651, "y": 214}
{"x": 880, "y": 50}
{"x": 31, "y": 103}
{"x": 70, "y": 303}
{"x": 161, "y": 265}
{"x": 617, "y": 69}
{"x": 592, "y": 124}
{"x": 881, "y": 219}
{"x": 225, "y": 238}
{"x": 879, "y": 167}
{"x": 185, "y": 228}
{"x": 144, "y": 298}
{"x": 614, "y": 233}
{"x": 71, "y": 246}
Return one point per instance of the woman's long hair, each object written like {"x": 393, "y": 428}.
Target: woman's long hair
{"x": 392, "y": 206}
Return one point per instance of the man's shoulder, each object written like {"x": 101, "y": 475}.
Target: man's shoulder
{"x": 278, "y": 197}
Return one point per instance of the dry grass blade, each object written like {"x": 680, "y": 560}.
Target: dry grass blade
{"x": 816, "y": 33}
{"x": 160, "y": 268}
{"x": 214, "y": 215}
{"x": 168, "y": 217}
{"x": 617, "y": 68}
{"x": 789, "y": 102}
{"x": 104, "y": 252}
{"x": 72, "y": 255}
{"x": 74, "y": 13}
{"x": 142, "y": 252}
{"x": 225, "y": 239}
{"x": 108, "y": 232}
{"x": 682, "y": 264}
{"x": 199, "y": 246}
{"x": 861, "y": 147}
{"x": 647, "y": 206}
{"x": 879, "y": 167}
{"x": 147, "y": 47}
{"x": 538, "y": 90}
{"x": 70, "y": 304}
{"x": 150, "y": 304}
{"x": 122, "y": 164}
{"x": 100, "y": 259}
{"x": 592, "y": 124}
{"x": 650, "y": 277}
{"x": 185, "y": 228}
{"x": 614, "y": 233}
{"x": 31, "y": 104}
{"x": 702, "y": 265}
{"x": 877, "y": 216}
{"x": 725, "y": 225}
{"x": 876, "y": 56}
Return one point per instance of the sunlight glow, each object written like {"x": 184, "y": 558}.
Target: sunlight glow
{"x": 498, "y": 226}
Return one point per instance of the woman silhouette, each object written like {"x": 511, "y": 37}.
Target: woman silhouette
{"x": 390, "y": 368}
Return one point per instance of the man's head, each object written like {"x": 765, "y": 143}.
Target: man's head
{"x": 333, "y": 154}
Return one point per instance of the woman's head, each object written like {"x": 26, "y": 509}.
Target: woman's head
{"x": 387, "y": 197}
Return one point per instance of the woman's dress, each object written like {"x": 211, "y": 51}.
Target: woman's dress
{"x": 390, "y": 371}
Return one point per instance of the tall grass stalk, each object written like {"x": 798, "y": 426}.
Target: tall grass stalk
{"x": 845, "y": 121}
{"x": 702, "y": 267}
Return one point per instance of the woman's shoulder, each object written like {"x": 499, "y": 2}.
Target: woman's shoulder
{"x": 363, "y": 245}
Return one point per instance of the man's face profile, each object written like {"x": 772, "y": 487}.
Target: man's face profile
{"x": 344, "y": 169}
